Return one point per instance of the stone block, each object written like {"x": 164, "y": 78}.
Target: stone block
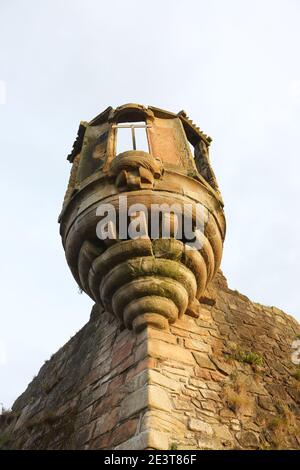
{"x": 107, "y": 403}
{"x": 186, "y": 324}
{"x": 223, "y": 434}
{"x": 106, "y": 422}
{"x": 182, "y": 372}
{"x": 134, "y": 403}
{"x": 151, "y": 439}
{"x": 217, "y": 376}
{"x": 207, "y": 443}
{"x": 179, "y": 332}
{"x": 266, "y": 403}
{"x": 160, "y": 379}
{"x": 257, "y": 388}
{"x": 153, "y": 333}
{"x": 190, "y": 393}
{"x": 197, "y": 345}
{"x": 90, "y": 396}
{"x": 163, "y": 421}
{"x": 146, "y": 363}
{"x": 222, "y": 366}
{"x": 198, "y": 425}
{"x": 158, "y": 398}
{"x": 116, "y": 383}
{"x": 162, "y": 350}
{"x": 248, "y": 439}
{"x": 198, "y": 383}
{"x": 210, "y": 395}
{"x": 83, "y": 435}
{"x": 137, "y": 382}
{"x": 120, "y": 354}
{"x": 141, "y": 351}
{"x": 204, "y": 361}
{"x": 181, "y": 404}
{"x": 123, "y": 432}
{"x": 208, "y": 405}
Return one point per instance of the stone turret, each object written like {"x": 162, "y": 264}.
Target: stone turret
{"x": 171, "y": 357}
{"x": 161, "y": 273}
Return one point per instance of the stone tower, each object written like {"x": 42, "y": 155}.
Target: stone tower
{"x": 171, "y": 357}
{"x": 156, "y": 276}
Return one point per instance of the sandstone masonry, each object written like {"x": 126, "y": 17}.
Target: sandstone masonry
{"x": 191, "y": 387}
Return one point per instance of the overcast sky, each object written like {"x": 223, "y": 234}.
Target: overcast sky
{"x": 232, "y": 65}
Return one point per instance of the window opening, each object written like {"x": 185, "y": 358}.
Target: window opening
{"x": 131, "y": 136}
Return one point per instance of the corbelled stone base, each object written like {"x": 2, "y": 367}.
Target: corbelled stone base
{"x": 225, "y": 380}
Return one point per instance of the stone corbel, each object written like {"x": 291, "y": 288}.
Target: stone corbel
{"x": 136, "y": 170}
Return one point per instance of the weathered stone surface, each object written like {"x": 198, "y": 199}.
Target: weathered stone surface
{"x": 152, "y": 333}
{"x": 248, "y": 439}
{"x": 146, "y": 440}
{"x": 210, "y": 395}
{"x": 134, "y": 403}
{"x": 182, "y": 404}
{"x": 123, "y": 432}
{"x": 266, "y": 403}
{"x": 223, "y": 434}
{"x": 138, "y": 442}
{"x": 204, "y": 361}
{"x": 158, "y": 398}
{"x": 160, "y": 379}
{"x": 120, "y": 354}
{"x": 166, "y": 351}
{"x": 222, "y": 366}
{"x": 137, "y": 381}
{"x": 167, "y": 394}
{"x": 198, "y": 383}
{"x": 200, "y": 426}
{"x": 106, "y": 422}
{"x": 197, "y": 345}
{"x": 164, "y": 421}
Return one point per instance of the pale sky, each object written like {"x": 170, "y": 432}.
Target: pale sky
{"x": 232, "y": 65}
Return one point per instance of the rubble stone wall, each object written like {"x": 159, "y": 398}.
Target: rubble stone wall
{"x": 225, "y": 380}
